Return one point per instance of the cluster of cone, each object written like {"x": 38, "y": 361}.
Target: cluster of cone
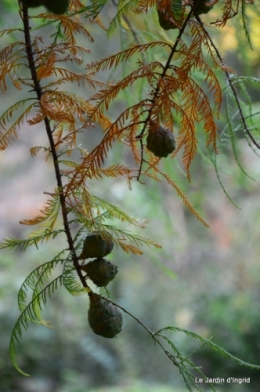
{"x": 104, "y": 318}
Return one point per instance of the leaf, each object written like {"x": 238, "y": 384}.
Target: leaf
{"x": 6, "y": 137}
{"x": 30, "y": 313}
{"x": 8, "y": 31}
{"x": 214, "y": 346}
{"x": 114, "y": 212}
{"x": 70, "y": 280}
{"x": 181, "y": 194}
{"x": 35, "y": 282}
{"x": 49, "y": 214}
{"x": 245, "y": 21}
{"x": 230, "y": 103}
{"x": 14, "y": 243}
{"x": 123, "y": 7}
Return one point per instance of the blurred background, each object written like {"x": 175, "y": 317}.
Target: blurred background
{"x": 203, "y": 279}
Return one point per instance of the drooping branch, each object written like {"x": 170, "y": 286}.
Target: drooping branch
{"x": 157, "y": 89}
{"x": 242, "y": 116}
{"x": 39, "y": 93}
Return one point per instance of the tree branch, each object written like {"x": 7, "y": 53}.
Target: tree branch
{"x": 39, "y": 93}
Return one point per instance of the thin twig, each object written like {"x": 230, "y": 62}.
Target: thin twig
{"x": 230, "y": 83}
{"x": 169, "y": 355}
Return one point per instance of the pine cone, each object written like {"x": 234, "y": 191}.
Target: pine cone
{"x": 202, "y": 7}
{"x": 33, "y": 3}
{"x": 96, "y": 246}
{"x": 104, "y": 318}
{"x": 100, "y": 271}
{"x": 57, "y": 6}
{"x": 161, "y": 142}
{"x": 165, "y": 22}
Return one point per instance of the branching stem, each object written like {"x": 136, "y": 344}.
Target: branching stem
{"x": 39, "y": 93}
{"x": 152, "y": 334}
{"x": 156, "y": 91}
{"x": 242, "y": 116}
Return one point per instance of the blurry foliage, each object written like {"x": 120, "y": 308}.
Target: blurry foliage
{"x": 232, "y": 319}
